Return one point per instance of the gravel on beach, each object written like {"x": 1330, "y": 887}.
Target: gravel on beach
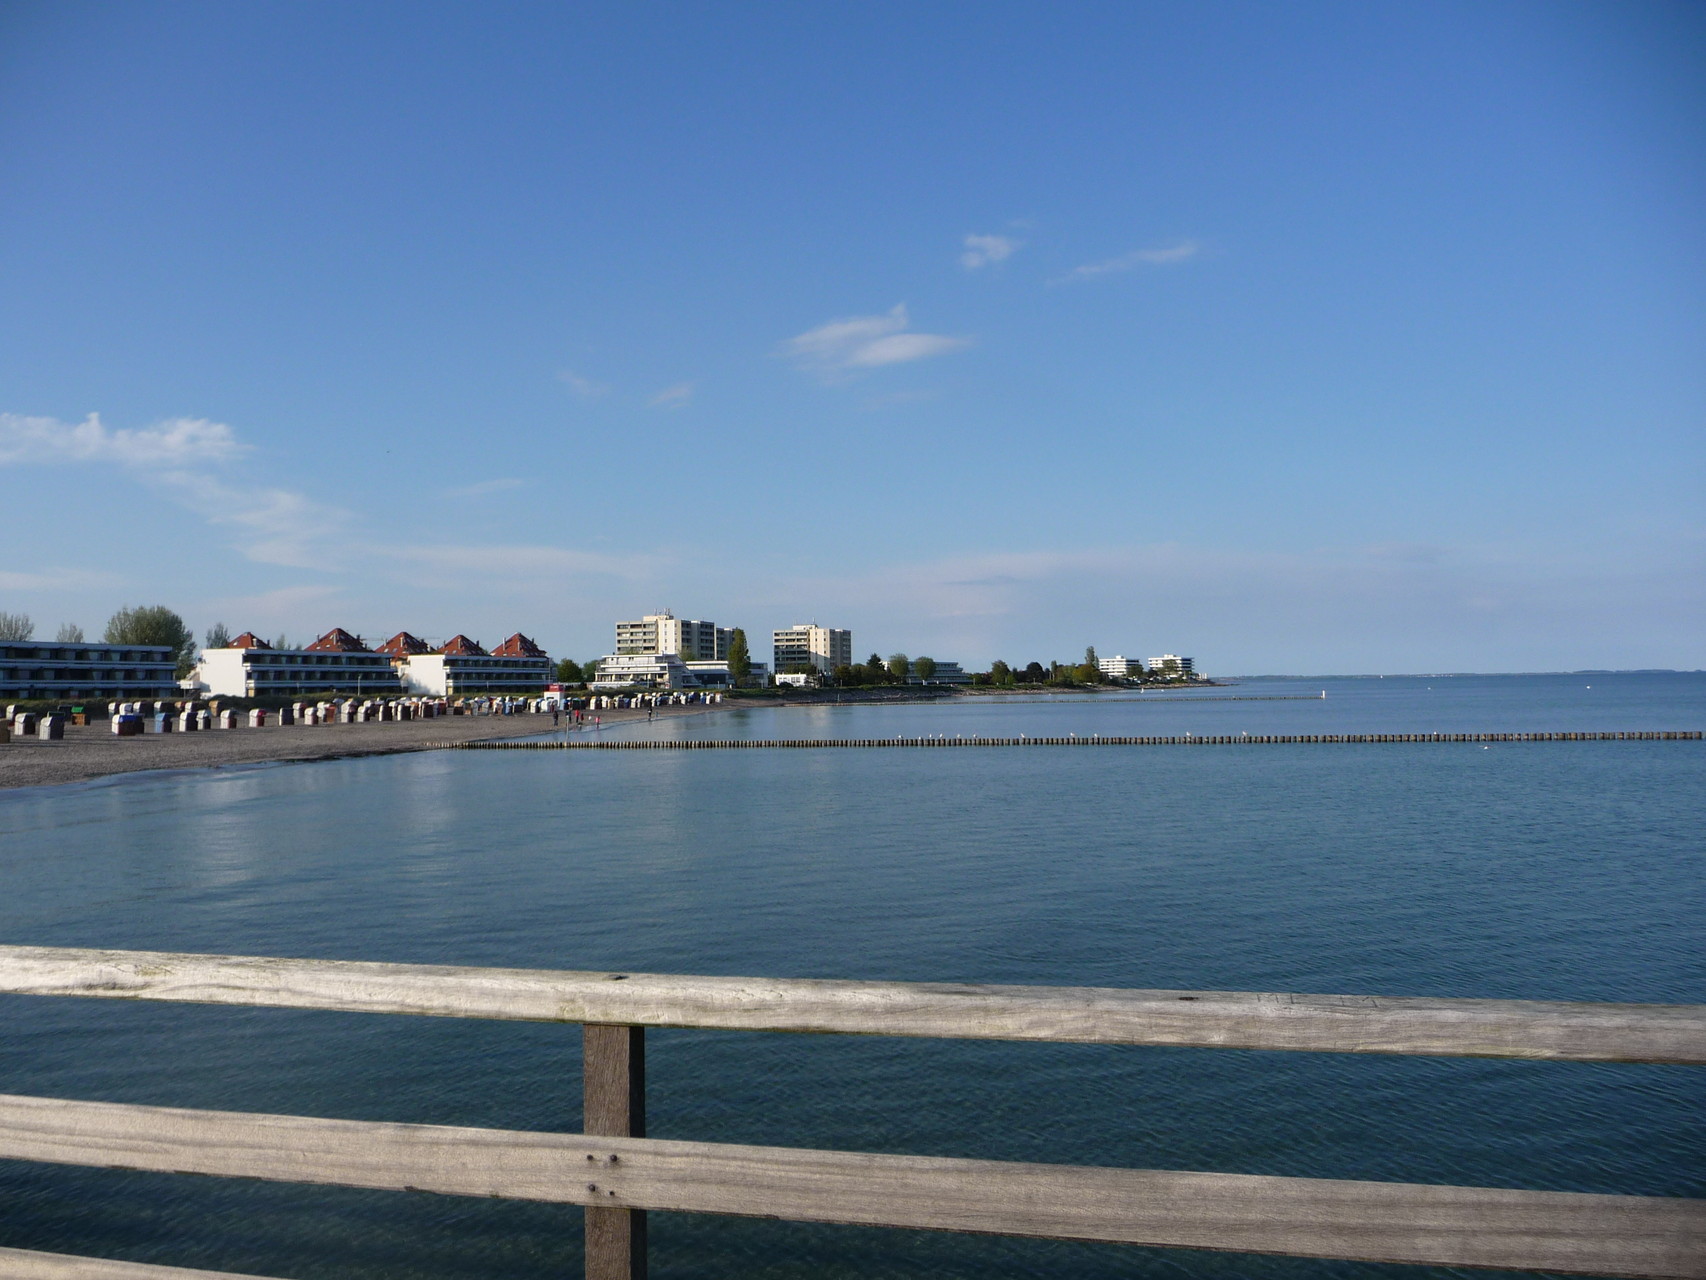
{"x": 94, "y": 751}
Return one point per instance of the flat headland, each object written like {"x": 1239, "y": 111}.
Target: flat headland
{"x": 94, "y": 751}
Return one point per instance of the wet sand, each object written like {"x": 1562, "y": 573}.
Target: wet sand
{"x": 94, "y": 751}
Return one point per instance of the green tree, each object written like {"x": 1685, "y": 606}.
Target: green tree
{"x": 570, "y": 672}
{"x": 218, "y": 636}
{"x": 846, "y": 675}
{"x": 1090, "y": 657}
{"x": 154, "y": 624}
{"x": 69, "y": 633}
{"x": 1000, "y": 673}
{"x": 1035, "y": 673}
{"x": 16, "y": 626}
{"x": 924, "y": 668}
{"x": 740, "y": 657}
{"x": 899, "y": 667}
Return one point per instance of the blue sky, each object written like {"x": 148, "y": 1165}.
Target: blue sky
{"x": 1295, "y": 338}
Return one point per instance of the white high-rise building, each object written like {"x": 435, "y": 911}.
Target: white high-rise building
{"x": 1171, "y": 664}
{"x": 809, "y": 645}
{"x": 689, "y": 639}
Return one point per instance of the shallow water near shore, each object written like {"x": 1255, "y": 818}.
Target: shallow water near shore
{"x": 1541, "y": 871}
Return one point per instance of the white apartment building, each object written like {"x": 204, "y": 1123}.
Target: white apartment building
{"x": 809, "y": 645}
{"x": 337, "y": 662}
{"x": 1171, "y": 664}
{"x": 687, "y": 638}
{"x": 517, "y": 666}
{"x": 31, "y": 669}
{"x": 666, "y": 671}
{"x": 1120, "y": 668}
{"x": 945, "y": 673}
{"x": 643, "y": 671}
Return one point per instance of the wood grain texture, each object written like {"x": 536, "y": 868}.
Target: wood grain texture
{"x": 1624, "y": 1236}
{"x": 1094, "y": 1015}
{"x": 613, "y": 1078}
{"x": 27, "y": 1264}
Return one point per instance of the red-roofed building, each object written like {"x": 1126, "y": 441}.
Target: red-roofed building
{"x": 518, "y": 646}
{"x": 336, "y": 663}
{"x": 337, "y": 640}
{"x": 461, "y": 667}
{"x": 403, "y": 644}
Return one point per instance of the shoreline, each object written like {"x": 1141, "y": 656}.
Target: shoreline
{"x": 92, "y": 752}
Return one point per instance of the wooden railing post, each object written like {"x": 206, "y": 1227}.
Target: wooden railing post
{"x": 614, "y": 1071}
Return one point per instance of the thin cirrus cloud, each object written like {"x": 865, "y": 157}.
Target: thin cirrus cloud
{"x": 483, "y": 487}
{"x": 174, "y": 442}
{"x": 1181, "y": 252}
{"x": 584, "y": 387}
{"x": 180, "y": 457}
{"x": 856, "y": 343}
{"x": 981, "y": 251}
{"x": 676, "y": 397}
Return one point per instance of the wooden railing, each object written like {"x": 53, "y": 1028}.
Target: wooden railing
{"x": 617, "y": 1173}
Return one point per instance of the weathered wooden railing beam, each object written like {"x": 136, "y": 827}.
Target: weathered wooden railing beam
{"x": 1092, "y": 1015}
{"x": 613, "y": 1077}
{"x": 1602, "y": 1235}
{"x": 28, "y": 1264}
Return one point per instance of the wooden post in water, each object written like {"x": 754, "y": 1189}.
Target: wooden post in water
{"x": 614, "y": 1106}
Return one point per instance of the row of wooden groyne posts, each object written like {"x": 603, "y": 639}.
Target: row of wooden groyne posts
{"x": 1092, "y": 740}
{"x": 616, "y": 1173}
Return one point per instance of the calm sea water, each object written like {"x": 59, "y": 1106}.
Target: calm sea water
{"x": 1548, "y": 871}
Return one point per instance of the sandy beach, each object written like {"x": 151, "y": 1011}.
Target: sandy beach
{"x": 94, "y": 751}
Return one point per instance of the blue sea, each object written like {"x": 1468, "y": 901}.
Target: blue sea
{"x": 1552, "y": 871}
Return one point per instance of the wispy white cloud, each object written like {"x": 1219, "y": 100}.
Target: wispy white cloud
{"x": 980, "y": 251}
{"x": 676, "y": 397}
{"x": 57, "y": 580}
{"x": 582, "y": 386}
{"x": 484, "y": 487}
{"x": 283, "y": 606}
{"x": 1181, "y": 252}
{"x": 172, "y": 443}
{"x": 866, "y": 342}
{"x": 274, "y": 526}
{"x": 537, "y": 565}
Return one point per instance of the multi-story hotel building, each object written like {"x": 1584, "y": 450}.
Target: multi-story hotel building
{"x": 945, "y": 673}
{"x": 517, "y": 666}
{"x": 809, "y": 645}
{"x": 32, "y": 669}
{"x": 337, "y": 662}
{"x": 689, "y": 639}
{"x": 1171, "y": 664}
{"x": 1120, "y": 668}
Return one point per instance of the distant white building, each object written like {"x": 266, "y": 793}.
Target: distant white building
{"x": 1120, "y": 668}
{"x": 41, "y": 669}
{"x": 689, "y": 639}
{"x": 945, "y": 673}
{"x": 517, "y": 666}
{"x": 337, "y": 662}
{"x": 1171, "y": 664}
{"x": 642, "y": 670}
{"x": 823, "y": 649}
